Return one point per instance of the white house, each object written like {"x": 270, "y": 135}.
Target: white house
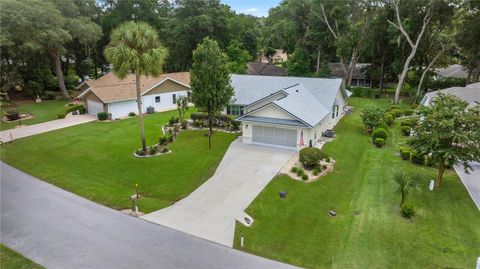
{"x": 469, "y": 94}
{"x": 117, "y": 97}
{"x": 290, "y": 112}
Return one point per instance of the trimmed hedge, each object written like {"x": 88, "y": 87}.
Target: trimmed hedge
{"x": 406, "y": 130}
{"x": 74, "y": 108}
{"x": 417, "y": 158}
{"x": 379, "y": 133}
{"x": 102, "y": 116}
{"x": 405, "y": 153}
{"x": 379, "y": 142}
{"x": 310, "y": 157}
{"x": 389, "y": 119}
{"x": 408, "y": 210}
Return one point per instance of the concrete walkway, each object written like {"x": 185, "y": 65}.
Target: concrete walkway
{"x": 58, "y": 229}
{"x": 471, "y": 181}
{"x": 211, "y": 210}
{"x": 29, "y": 130}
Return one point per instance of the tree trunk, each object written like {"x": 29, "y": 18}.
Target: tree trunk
{"x": 438, "y": 180}
{"x": 403, "y": 199}
{"x": 419, "y": 88}
{"x": 59, "y": 73}
{"x": 403, "y": 75}
{"x": 382, "y": 67}
{"x": 318, "y": 60}
{"x": 140, "y": 114}
{"x": 346, "y": 73}
{"x": 353, "y": 64}
{"x": 210, "y": 121}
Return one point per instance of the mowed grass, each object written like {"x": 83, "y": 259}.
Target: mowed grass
{"x": 95, "y": 160}
{"x": 369, "y": 231}
{"x": 44, "y": 111}
{"x": 10, "y": 259}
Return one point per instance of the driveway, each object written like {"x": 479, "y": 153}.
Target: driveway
{"x": 211, "y": 210}
{"x": 29, "y": 130}
{"x": 58, "y": 229}
{"x": 471, "y": 181}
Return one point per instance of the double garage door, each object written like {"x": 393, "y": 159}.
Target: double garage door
{"x": 274, "y": 136}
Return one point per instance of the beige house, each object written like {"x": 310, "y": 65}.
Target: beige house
{"x": 117, "y": 97}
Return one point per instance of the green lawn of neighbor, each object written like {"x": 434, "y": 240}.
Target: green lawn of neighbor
{"x": 95, "y": 160}
{"x": 44, "y": 111}
{"x": 10, "y": 259}
{"x": 368, "y": 231}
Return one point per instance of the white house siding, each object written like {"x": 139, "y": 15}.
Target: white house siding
{"x": 122, "y": 108}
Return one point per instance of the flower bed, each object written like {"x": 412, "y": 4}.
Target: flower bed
{"x": 297, "y": 171}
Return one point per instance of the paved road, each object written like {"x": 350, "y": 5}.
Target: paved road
{"x": 43, "y": 127}
{"x": 58, "y": 229}
{"x": 211, "y": 210}
{"x": 471, "y": 181}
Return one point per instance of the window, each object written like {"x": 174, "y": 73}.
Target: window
{"x": 235, "y": 110}
{"x": 157, "y": 99}
{"x": 338, "y": 108}
{"x": 174, "y": 98}
{"x": 333, "y": 112}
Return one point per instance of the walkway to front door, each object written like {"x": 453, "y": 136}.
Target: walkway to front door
{"x": 211, "y": 210}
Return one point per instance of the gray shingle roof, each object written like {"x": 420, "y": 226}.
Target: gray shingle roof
{"x": 467, "y": 94}
{"x": 308, "y": 99}
{"x": 453, "y": 71}
{"x": 265, "y": 69}
{"x": 359, "y": 72}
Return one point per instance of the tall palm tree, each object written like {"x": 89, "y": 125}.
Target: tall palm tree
{"x": 135, "y": 48}
{"x": 405, "y": 184}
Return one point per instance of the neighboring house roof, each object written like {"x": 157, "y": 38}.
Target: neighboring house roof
{"x": 265, "y": 69}
{"x": 360, "y": 71}
{"x": 468, "y": 94}
{"x": 473, "y": 85}
{"x": 453, "y": 71}
{"x": 307, "y": 99}
{"x": 109, "y": 88}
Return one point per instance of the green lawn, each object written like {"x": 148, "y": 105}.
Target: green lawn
{"x": 44, "y": 111}
{"x": 369, "y": 231}
{"x": 10, "y": 259}
{"x": 95, "y": 161}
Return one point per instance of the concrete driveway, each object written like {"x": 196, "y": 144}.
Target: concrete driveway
{"x": 211, "y": 210}
{"x": 58, "y": 229}
{"x": 29, "y": 130}
{"x": 471, "y": 181}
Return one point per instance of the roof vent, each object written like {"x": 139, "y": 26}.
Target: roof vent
{"x": 296, "y": 90}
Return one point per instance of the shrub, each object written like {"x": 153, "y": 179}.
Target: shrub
{"x": 417, "y": 158}
{"x": 406, "y": 130}
{"x": 379, "y": 142}
{"x": 140, "y": 152}
{"x": 48, "y": 95}
{"x": 408, "y": 111}
{"x": 327, "y": 159}
{"x": 304, "y": 177}
{"x": 102, "y": 116}
{"x": 153, "y": 150}
{"x": 408, "y": 210}
{"x": 184, "y": 124}
{"x": 383, "y": 125}
{"x": 394, "y": 107}
{"x": 294, "y": 169}
{"x": 324, "y": 167}
{"x": 317, "y": 171}
{"x": 61, "y": 116}
{"x": 132, "y": 114}
{"x": 429, "y": 161}
{"x": 310, "y": 157}
{"x": 198, "y": 116}
{"x": 172, "y": 121}
{"x": 389, "y": 119}
{"x": 82, "y": 110}
{"x": 235, "y": 125}
{"x": 405, "y": 153}
{"x": 396, "y": 112}
{"x": 162, "y": 140}
{"x": 379, "y": 133}
{"x": 372, "y": 117}
{"x": 165, "y": 150}
{"x": 13, "y": 115}
{"x": 300, "y": 172}
{"x": 409, "y": 122}
{"x": 169, "y": 137}
{"x": 74, "y": 108}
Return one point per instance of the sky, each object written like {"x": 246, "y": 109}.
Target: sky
{"x": 257, "y": 8}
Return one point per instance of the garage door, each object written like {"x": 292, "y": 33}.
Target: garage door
{"x": 275, "y": 136}
{"x": 94, "y": 107}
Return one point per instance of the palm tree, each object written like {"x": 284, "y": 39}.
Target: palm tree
{"x": 405, "y": 184}
{"x": 135, "y": 48}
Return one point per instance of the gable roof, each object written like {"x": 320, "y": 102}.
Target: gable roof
{"x": 453, "y": 71}
{"x": 359, "y": 72}
{"x": 109, "y": 88}
{"x": 468, "y": 94}
{"x": 307, "y": 99}
{"x": 265, "y": 69}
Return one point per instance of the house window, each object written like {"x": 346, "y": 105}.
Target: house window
{"x": 174, "y": 98}
{"x": 157, "y": 99}
{"x": 235, "y": 110}
{"x": 334, "y": 111}
{"x": 338, "y": 108}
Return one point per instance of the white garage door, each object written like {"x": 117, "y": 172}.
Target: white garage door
{"x": 94, "y": 107}
{"x": 274, "y": 136}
